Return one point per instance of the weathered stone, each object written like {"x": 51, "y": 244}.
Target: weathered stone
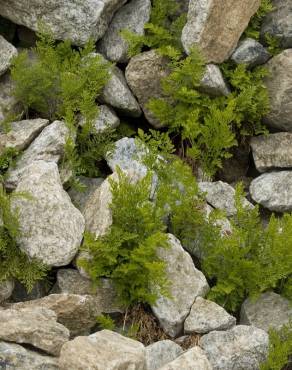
{"x": 20, "y": 294}
{"x": 22, "y": 133}
{"x": 269, "y": 311}
{"x": 206, "y": 316}
{"x": 273, "y": 191}
{"x": 80, "y": 198}
{"x": 251, "y": 53}
{"x": 213, "y": 82}
{"x": 193, "y": 359}
{"x": 132, "y": 17}
{"x": 15, "y": 357}
{"x": 36, "y": 326}
{"x": 51, "y": 227}
{"x": 104, "y": 350}
{"x": 272, "y": 151}
{"x": 48, "y": 146}
{"x": 6, "y": 289}
{"x": 216, "y": 26}
{"x": 161, "y": 353}
{"x": 186, "y": 284}
{"x": 221, "y": 196}
{"x": 8, "y": 103}
{"x": 7, "y": 52}
{"x": 106, "y": 119}
{"x": 242, "y": 347}
{"x": 278, "y": 84}
{"x": 73, "y": 20}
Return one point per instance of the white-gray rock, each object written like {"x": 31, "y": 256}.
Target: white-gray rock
{"x": 269, "y": 310}
{"x": 8, "y": 103}
{"x": 104, "y": 350}
{"x": 106, "y": 119}
{"x": 7, "y": 52}
{"x": 241, "y": 348}
{"x": 161, "y": 353}
{"x": 273, "y": 190}
{"x": 206, "y": 316}
{"x": 186, "y": 284}
{"x": 132, "y": 17}
{"x": 75, "y": 20}
{"x": 213, "y": 82}
{"x": 6, "y": 289}
{"x": 35, "y": 326}
{"x": 51, "y": 227}
{"x": 251, "y": 53}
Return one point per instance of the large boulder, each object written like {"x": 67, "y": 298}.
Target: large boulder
{"x": 73, "y": 20}
{"x": 106, "y": 119}
{"x": 51, "y": 228}
{"x": 160, "y": 353}
{"x": 251, "y": 53}
{"x": 7, "y": 52}
{"x": 215, "y": 26}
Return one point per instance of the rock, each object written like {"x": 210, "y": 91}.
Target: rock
{"x": 132, "y": 17}
{"x": 40, "y": 289}
{"x": 7, "y": 52}
{"x": 221, "y": 196}
{"x": 273, "y": 191}
{"x": 272, "y": 151}
{"x": 216, "y": 26}
{"x": 8, "y": 103}
{"x": 251, "y": 53}
{"x": 15, "y": 357}
{"x": 270, "y": 310}
{"x": 22, "y": 133}
{"x": 193, "y": 359}
{"x": 186, "y": 284}
{"x": 242, "y": 347}
{"x": 278, "y": 85}
{"x": 206, "y": 316}
{"x": 213, "y": 82}
{"x": 80, "y": 198}
{"x": 6, "y": 289}
{"x": 35, "y": 326}
{"x": 161, "y": 353}
{"x": 73, "y": 20}
{"x": 104, "y": 350}
{"x": 144, "y": 74}
{"x": 279, "y": 23}
{"x": 51, "y": 228}
{"x": 106, "y": 119}
{"x": 48, "y": 146}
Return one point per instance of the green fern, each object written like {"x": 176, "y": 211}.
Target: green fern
{"x": 253, "y": 29}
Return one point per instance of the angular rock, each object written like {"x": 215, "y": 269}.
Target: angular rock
{"x": 35, "y": 326}
{"x": 51, "y": 227}
{"x": 273, "y": 190}
{"x": 242, "y": 347}
{"x": 7, "y": 52}
{"x": 161, "y": 353}
{"x": 272, "y": 151}
{"x": 73, "y": 20}
{"x": 8, "y": 103}
{"x": 216, "y": 26}
{"x": 104, "y": 350}
{"x": 221, "y": 196}
{"x": 48, "y": 146}
{"x": 20, "y": 294}
{"x": 6, "y": 289}
{"x": 206, "y": 316}
{"x": 213, "y": 82}
{"x": 13, "y": 356}
{"x": 186, "y": 284}
{"x": 22, "y": 133}
{"x": 193, "y": 359}
{"x": 269, "y": 311}
{"x": 106, "y": 119}
{"x": 251, "y": 53}
{"x": 278, "y": 84}
{"x": 132, "y": 17}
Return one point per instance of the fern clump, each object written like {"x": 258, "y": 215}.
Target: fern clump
{"x": 254, "y": 27}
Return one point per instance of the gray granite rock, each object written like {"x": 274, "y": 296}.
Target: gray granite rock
{"x": 161, "y": 353}
{"x": 7, "y": 52}
{"x": 106, "y": 119}
{"x": 251, "y": 53}
{"x": 213, "y": 82}
{"x": 6, "y": 289}
{"x": 8, "y": 103}
{"x": 20, "y": 294}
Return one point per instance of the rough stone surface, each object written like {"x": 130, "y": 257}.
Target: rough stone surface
{"x": 278, "y": 83}
{"x": 273, "y": 191}
{"x": 193, "y": 359}
{"x": 132, "y": 17}
{"x": 270, "y": 310}
{"x": 160, "y": 353}
{"x": 251, "y": 53}
{"x": 272, "y": 151}
{"x": 35, "y": 326}
{"x": 221, "y": 195}
{"x": 186, "y": 284}
{"x": 80, "y": 198}
{"x": 22, "y": 133}
{"x": 216, "y": 26}
{"x": 242, "y": 347}
{"x": 106, "y": 119}
{"x": 6, "y": 289}
{"x": 51, "y": 227}
{"x": 8, "y": 103}
{"x": 213, "y": 82}
{"x": 75, "y": 20}
{"x": 15, "y": 357}
{"x": 206, "y": 316}
{"x": 48, "y": 146}
{"x": 39, "y": 290}
{"x": 104, "y": 350}
{"x": 7, "y": 52}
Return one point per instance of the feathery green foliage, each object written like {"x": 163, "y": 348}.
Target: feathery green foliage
{"x": 254, "y": 27}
